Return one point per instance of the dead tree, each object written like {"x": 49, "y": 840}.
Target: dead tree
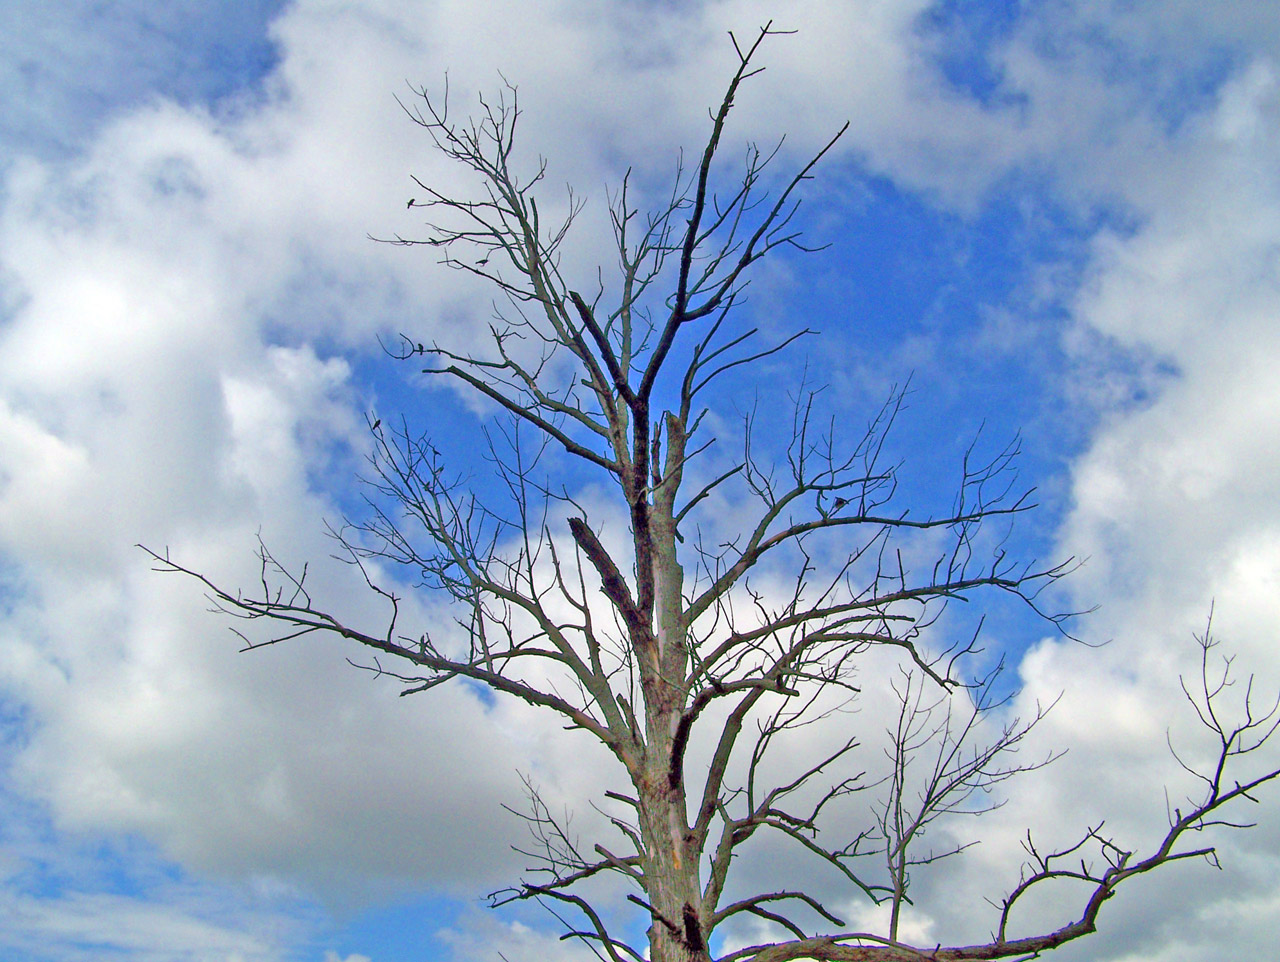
{"x": 644, "y": 626}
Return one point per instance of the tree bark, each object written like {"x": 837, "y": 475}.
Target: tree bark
{"x": 677, "y": 931}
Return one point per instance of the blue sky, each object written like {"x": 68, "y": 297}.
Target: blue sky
{"x": 1060, "y": 220}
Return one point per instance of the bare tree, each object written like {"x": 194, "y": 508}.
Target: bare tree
{"x": 644, "y": 627}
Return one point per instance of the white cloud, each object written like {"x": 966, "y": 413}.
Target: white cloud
{"x": 178, "y": 295}
{"x": 147, "y": 397}
{"x": 116, "y": 926}
{"x": 476, "y": 938}
{"x": 149, "y": 279}
{"x": 64, "y": 67}
{"x": 60, "y": 914}
{"x": 1174, "y": 499}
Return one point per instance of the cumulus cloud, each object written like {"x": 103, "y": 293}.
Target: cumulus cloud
{"x": 186, "y": 301}
{"x": 66, "y": 67}
{"x": 55, "y": 907}
{"x": 166, "y": 380}
{"x": 1173, "y": 500}
{"x": 173, "y": 292}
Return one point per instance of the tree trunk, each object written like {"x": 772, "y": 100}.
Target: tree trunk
{"x": 676, "y": 933}
{"x": 671, "y": 874}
